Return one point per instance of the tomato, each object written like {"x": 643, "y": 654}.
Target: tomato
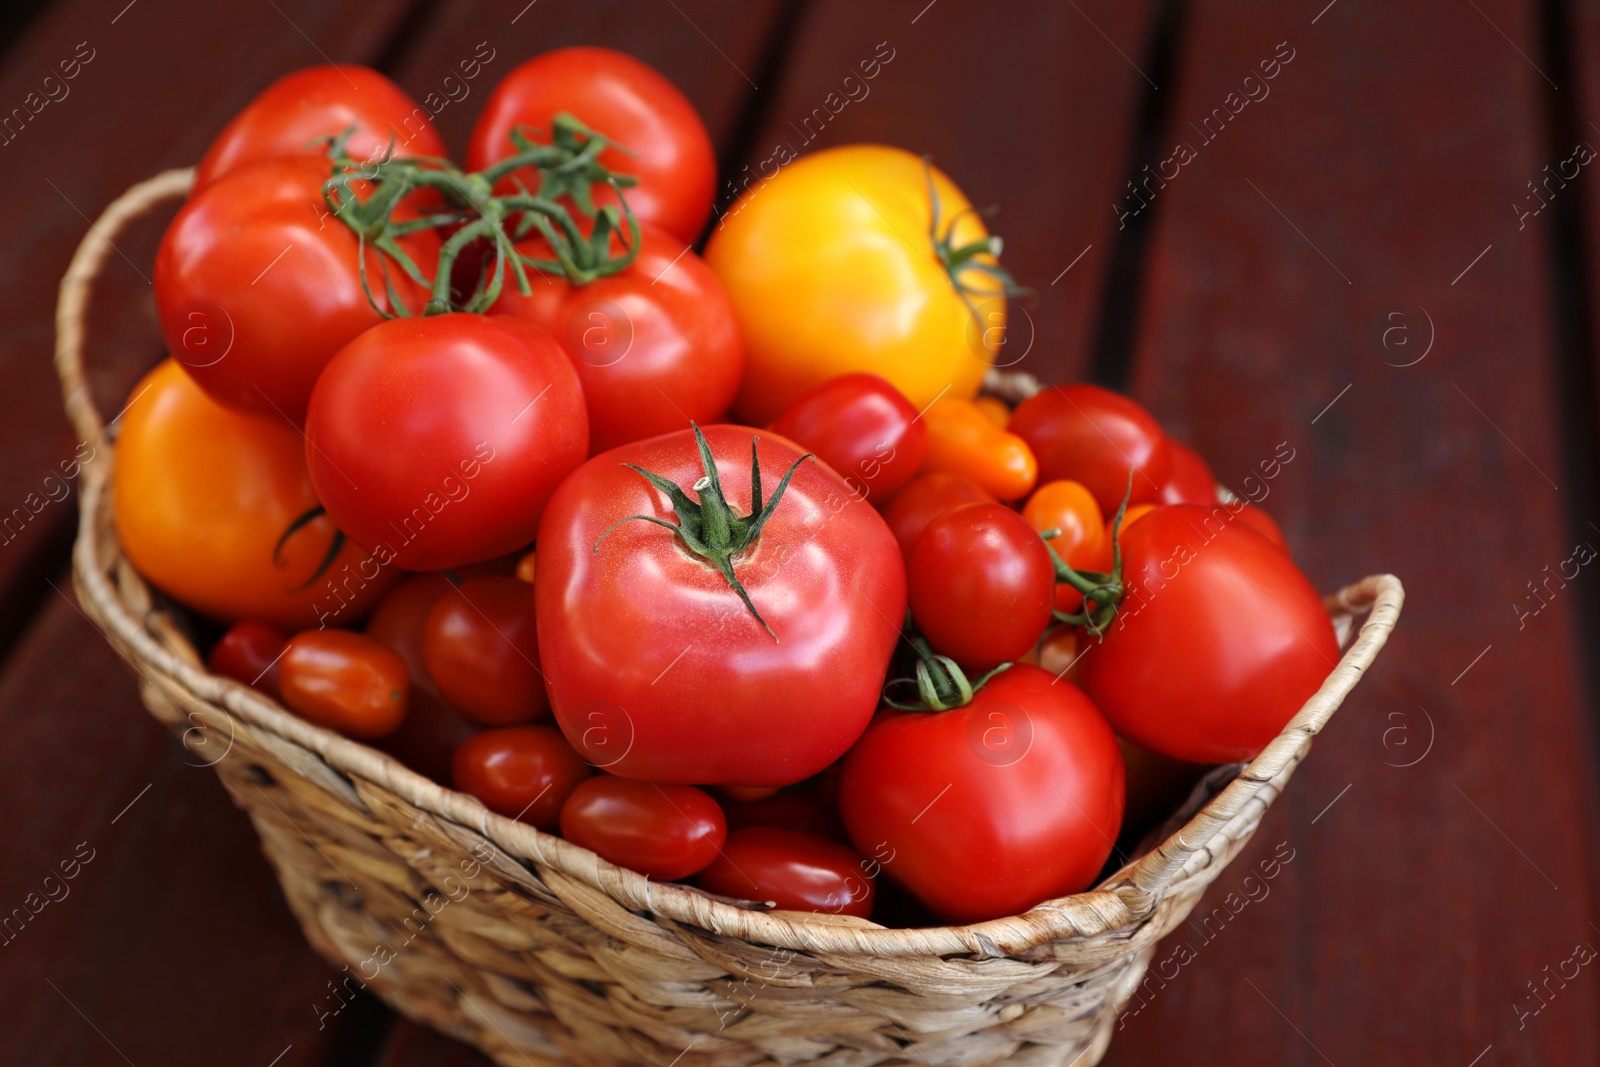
{"x": 832, "y": 267}
{"x": 1129, "y": 517}
{"x": 293, "y": 114}
{"x": 661, "y": 136}
{"x": 521, "y": 772}
{"x": 482, "y": 653}
{"x": 1096, "y": 437}
{"x": 666, "y": 831}
{"x": 986, "y": 810}
{"x": 526, "y": 567}
{"x": 257, "y": 285}
{"x": 794, "y": 871}
{"x": 1189, "y": 480}
{"x": 655, "y": 345}
{"x": 862, "y": 427}
{"x": 203, "y": 495}
{"x": 811, "y": 808}
{"x": 436, "y": 441}
{"x": 994, "y": 409}
{"x": 658, "y": 669}
{"x": 345, "y": 681}
{"x": 1067, "y": 506}
{"x": 925, "y": 499}
{"x": 981, "y": 585}
{"x": 963, "y": 440}
{"x": 1261, "y": 523}
{"x": 1216, "y": 644}
{"x": 249, "y": 653}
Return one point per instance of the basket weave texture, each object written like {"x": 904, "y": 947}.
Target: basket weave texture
{"x": 538, "y": 952}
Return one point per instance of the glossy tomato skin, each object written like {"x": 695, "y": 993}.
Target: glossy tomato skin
{"x": 257, "y": 285}
{"x": 345, "y": 681}
{"x": 294, "y": 112}
{"x": 1189, "y": 479}
{"x": 667, "y": 144}
{"x": 925, "y": 499}
{"x": 1095, "y": 436}
{"x": 204, "y": 493}
{"x": 963, "y": 440}
{"x": 655, "y": 668}
{"x": 1082, "y": 542}
{"x": 831, "y": 269}
{"x": 989, "y": 809}
{"x": 862, "y": 427}
{"x": 482, "y": 652}
{"x": 665, "y": 831}
{"x": 655, "y": 346}
{"x": 436, "y": 441}
{"x": 795, "y": 871}
{"x": 521, "y": 772}
{"x": 248, "y": 652}
{"x": 981, "y": 585}
{"x": 1218, "y": 643}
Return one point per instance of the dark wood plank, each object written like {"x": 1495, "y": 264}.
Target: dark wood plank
{"x": 1295, "y": 266}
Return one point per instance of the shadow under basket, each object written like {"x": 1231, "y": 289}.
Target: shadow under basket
{"x": 538, "y": 952}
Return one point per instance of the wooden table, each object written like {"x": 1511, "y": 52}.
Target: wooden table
{"x": 1348, "y": 226}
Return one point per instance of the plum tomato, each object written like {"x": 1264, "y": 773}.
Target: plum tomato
{"x": 925, "y": 499}
{"x": 345, "y": 681}
{"x": 248, "y": 652}
{"x": 521, "y": 772}
{"x": 1096, "y": 437}
{"x": 963, "y": 440}
{"x": 1189, "y": 479}
{"x": 793, "y": 870}
{"x": 482, "y": 651}
{"x": 665, "y": 831}
{"x": 863, "y": 428}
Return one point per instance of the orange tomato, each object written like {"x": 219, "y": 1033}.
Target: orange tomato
{"x": 995, "y": 409}
{"x": 1068, "y": 506}
{"x": 962, "y": 440}
{"x": 204, "y": 493}
{"x": 345, "y": 681}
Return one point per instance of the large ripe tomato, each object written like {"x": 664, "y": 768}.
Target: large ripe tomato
{"x": 863, "y": 428}
{"x": 986, "y": 810}
{"x": 257, "y": 285}
{"x": 345, "y": 681}
{"x": 294, "y": 113}
{"x": 656, "y": 345}
{"x": 482, "y": 653}
{"x": 203, "y": 495}
{"x": 1216, "y": 644}
{"x": 832, "y": 267}
{"x": 436, "y": 441}
{"x": 1094, "y": 436}
{"x": 663, "y": 140}
{"x": 656, "y": 669}
{"x": 925, "y": 499}
{"x": 666, "y": 831}
{"x": 795, "y": 871}
{"x": 521, "y": 772}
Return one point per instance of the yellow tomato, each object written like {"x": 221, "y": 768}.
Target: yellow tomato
{"x": 204, "y": 493}
{"x": 843, "y": 262}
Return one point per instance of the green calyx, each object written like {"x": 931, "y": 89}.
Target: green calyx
{"x": 709, "y": 527}
{"x": 960, "y": 262}
{"x": 1102, "y": 593}
{"x": 940, "y": 682}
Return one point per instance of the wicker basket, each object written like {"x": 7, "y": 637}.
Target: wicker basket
{"x": 539, "y": 952}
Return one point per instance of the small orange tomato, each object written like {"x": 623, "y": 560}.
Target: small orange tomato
{"x": 525, "y": 568}
{"x": 1068, "y": 506}
{"x": 345, "y": 681}
{"x": 521, "y": 772}
{"x": 995, "y": 409}
{"x": 962, "y": 440}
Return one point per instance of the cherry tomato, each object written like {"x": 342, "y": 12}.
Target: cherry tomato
{"x": 1262, "y": 523}
{"x": 1189, "y": 480}
{"x": 1217, "y": 643}
{"x": 994, "y": 409}
{"x": 661, "y": 136}
{"x": 962, "y": 440}
{"x": 345, "y": 681}
{"x": 257, "y": 285}
{"x": 521, "y": 772}
{"x": 482, "y": 652}
{"x": 293, "y": 114}
{"x": 1070, "y": 508}
{"x": 658, "y": 670}
{"x": 203, "y": 496}
{"x": 795, "y": 871}
{"x": 863, "y": 428}
{"x": 925, "y": 499}
{"x": 436, "y": 441}
{"x": 981, "y": 585}
{"x": 986, "y": 810}
{"x": 249, "y": 653}
{"x": 1096, "y": 437}
{"x": 666, "y": 831}
{"x": 811, "y": 808}
{"x": 655, "y": 346}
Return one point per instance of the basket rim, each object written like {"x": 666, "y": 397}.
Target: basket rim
{"x": 1122, "y": 901}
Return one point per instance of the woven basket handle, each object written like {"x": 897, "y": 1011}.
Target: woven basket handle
{"x": 76, "y": 284}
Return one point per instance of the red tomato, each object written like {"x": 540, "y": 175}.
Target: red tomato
{"x": 435, "y": 442}
{"x": 664, "y": 141}
{"x": 482, "y": 653}
{"x": 521, "y": 772}
{"x": 1189, "y": 479}
{"x": 257, "y": 285}
{"x": 1217, "y": 643}
{"x": 981, "y": 585}
{"x": 1261, "y": 523}
{"x": 811, "y": 808}
{"x": 666, "y": 831}
{"x": 795, "y": 871}
{"x": 925, "y": 499}
{"x": 863, "y": 428}
{"x": 988, "y": 809}
{"x": 1096, "y": 437}
{"x": 655, "y": 346}
{"x": 345, "y": 681}
{"x": 249, "y": 653}
{"x": 657, "y": 669}
{"x": 294, "y": 113}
